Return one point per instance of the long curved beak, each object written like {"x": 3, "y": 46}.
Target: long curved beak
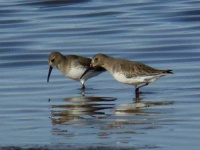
{"x": 50, "y": 69}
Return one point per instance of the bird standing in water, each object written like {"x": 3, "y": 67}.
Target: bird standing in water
{"x": 73, "y": 67}
{"x": 126, "y": 71}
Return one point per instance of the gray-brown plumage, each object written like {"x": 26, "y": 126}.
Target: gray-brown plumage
{"x": 72, "y": 66}
{"x": 128, "y": 72}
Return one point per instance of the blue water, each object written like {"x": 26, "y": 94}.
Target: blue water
{"x": 55, "y": 115}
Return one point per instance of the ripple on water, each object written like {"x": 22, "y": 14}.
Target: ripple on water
{"x": 161, "y": 34}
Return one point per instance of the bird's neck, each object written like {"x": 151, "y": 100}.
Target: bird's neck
{"x": 62, "y": 65}
{"x": 107, "y": 62}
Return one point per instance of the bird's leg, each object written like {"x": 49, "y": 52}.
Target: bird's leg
{"x": 143, "y": 85}
{"x": 83, "y": 90}
{"x": 83, "y": 86}
{"x": 137, "y": 94}
{"x": 136, "y": 91}
{"x": 138, "y": 87}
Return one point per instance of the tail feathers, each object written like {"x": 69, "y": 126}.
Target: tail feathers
{"x": 167, "y": 71}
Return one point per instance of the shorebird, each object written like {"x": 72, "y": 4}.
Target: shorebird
{"x": 73, "y": 66}
{"x": 126, "y": 71}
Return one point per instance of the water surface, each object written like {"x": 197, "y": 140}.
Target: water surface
{"x": 52, "y": 115}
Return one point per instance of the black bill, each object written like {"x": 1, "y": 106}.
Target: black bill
{"x": 50, "y": 69}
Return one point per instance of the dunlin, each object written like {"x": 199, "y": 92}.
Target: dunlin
{"x": 73, "y": 66}
{"x": 126, "y": 71}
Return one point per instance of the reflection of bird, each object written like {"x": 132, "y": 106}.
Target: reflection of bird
{"x": 128, "y": 72}
{"x": 76, "y": 108}
{"x": 72, "y": 66}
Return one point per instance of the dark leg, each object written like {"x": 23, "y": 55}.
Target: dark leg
{"x": 83, "y": 87}
{"x": 136, "y": 90}
{"x": 83, "y": 90}
{"x": 137, "y": 93}
{"x": 143, "y": 85}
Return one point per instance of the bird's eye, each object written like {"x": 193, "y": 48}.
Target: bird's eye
{"x": 95, "y": 60}
{"x": 52, "y": 60}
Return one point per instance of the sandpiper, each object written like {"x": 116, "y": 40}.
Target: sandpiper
{"x": 73, "y": 66}
{"x": 126, "y": 71}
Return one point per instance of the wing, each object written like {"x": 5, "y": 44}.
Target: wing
{"x": 84, "y": 61}
{"x": 133, "y": 69}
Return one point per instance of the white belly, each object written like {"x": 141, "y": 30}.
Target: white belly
{"x": 75, "y": 73}
{"x": 135, "y": 80}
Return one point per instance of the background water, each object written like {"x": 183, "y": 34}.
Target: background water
{"x": 163, "y": 34}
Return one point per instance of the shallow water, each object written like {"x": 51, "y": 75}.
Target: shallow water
{"x": 34, "y": 113}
